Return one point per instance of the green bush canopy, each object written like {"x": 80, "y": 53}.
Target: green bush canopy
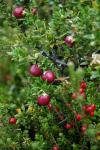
{"x": 49, "y": 75}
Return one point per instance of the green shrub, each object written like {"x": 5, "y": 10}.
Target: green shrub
{"x": 40, "y": 38}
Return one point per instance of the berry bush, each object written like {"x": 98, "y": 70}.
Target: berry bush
{"x": 50, "y": 75}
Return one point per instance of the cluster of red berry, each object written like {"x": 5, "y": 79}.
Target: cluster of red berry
{"x": 19, "y": 12}
{"x": 81, "y": 91}
{"x": 88, "y": 109}
{"x": 47, "y": 76}
{"x": 44, "y": 100}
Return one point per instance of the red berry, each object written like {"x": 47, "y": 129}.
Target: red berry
{"x": 12, "y": 120}
{"x": 81, "y": 90}
{"x": 49, "y": 76}
{"x": 74, "y": 96}
{"x": 35, "y": 70}
{"x": 83, "y": 85}
{"x": 84, "y": 128}
{"x": 69, "y": 41}
{"x": 78, "y": 117}
{"x": 68, "y": 126}
{"x": 34, "y": 11}
{"x": 89, "y": 109}
{"x": 92, "y": 114}
{"x": 93, "y": 106}
{"x": 18, "y": 12}
{"x": 43, "y": 100}
{"x": 55, "y": 147}
{"x": 49, "y": 106}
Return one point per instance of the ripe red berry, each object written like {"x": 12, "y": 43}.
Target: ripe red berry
{"x": 92, "y": 114}
{"x": 43, "y": 100}
{"x": 49, "y": 106}
{"x": 74, "y": 96}
{"x": 83, "y": 128}
{"x": 18, "y": 12}
{"x": 68, "y": 126}
{"x": 34, "y": 11}
{"x": 55, "y": 147}
{"x": 69, "y": 41}
{"x": 12, "y": 120}
{"x": 83, "y": 85}
{"x": 35, "y": 70}
{"x": 89, "y": 109}
{"x": 93, "y": 106}
{"x": 78, "y": 117}
{"x": 81, "y": 90}
{"x": 49, "y": 76}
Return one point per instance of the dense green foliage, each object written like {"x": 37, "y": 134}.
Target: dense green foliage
{"x": 38, "y": 38}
